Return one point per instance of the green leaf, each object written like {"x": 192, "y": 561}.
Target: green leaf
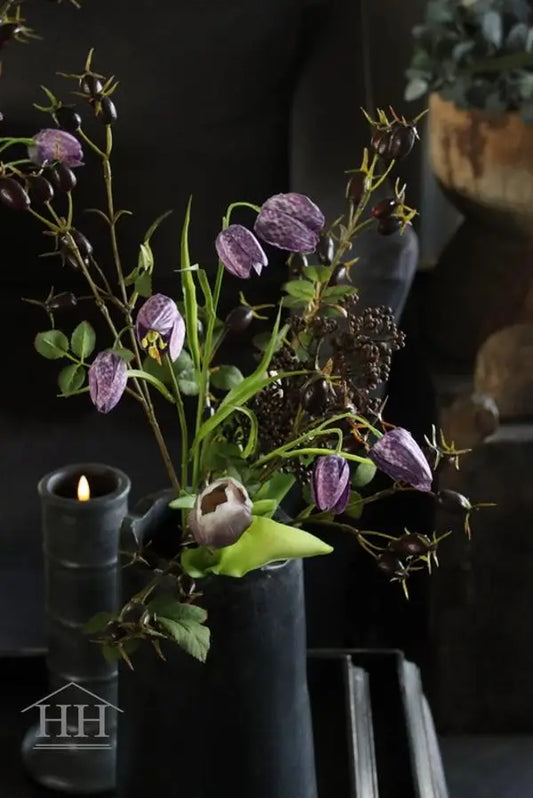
{"x": 265, "y": 541}
{"x": 363, "y": 475}
{"x": 71, "y": 379}
{"x": 294, "y": 302}
{"x": 254, "y": 430}
{"x": 197, "y": 561}
{"x": 265, "y": 507}
{"x": 338, "y": 291}
{"x": 153, "y": 227}
{"x": 318, "y": 274}
{"x": 262, "y": 340}
{"x": 226, "y": 377}
{"x": 143, "y": 284}
{"x": 192, "y": 637}
{"x": 355, "y": 506}
{"x": 145, "y": 261}
{"x": 185, "y": 501}
{"x": 300, "y": 289}
{"x": 276, "y": 487}
{"x": 167, "y": 605}
{"x": 238, "y": 396}
{"x": 187, "y": 382}
{"x": 97, "y": 623}
{"x": 183, "y": 362}
{"x": 83, "y": 340}
{"x": 125, "y": 354}
{"x": 52, "y": 344}
{"x": 189, "y": 291}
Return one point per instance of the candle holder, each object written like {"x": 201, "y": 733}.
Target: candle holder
{"x": 72, "y": 747}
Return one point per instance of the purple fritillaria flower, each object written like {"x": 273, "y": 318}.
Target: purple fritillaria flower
{"x": 108, "y": 376}
{"x": 291, "y": 222}
{"x": 160, "y": 327}
{"x": 330, "y": 483}
{"x": 53, "y": 145}
{"x": 399, "y": 456}
{"x": 221, "y": 513}
{"x": 240, "y": 251}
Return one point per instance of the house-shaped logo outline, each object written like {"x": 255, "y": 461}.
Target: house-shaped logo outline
{"x": 79, "y": 687}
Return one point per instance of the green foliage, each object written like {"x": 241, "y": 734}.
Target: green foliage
{"x": 182, "y": 623}
{"x": 363, "y": 475}
{"x": 226, "y": 377}
{"x": 83, "y": 340}
{"x": 265, "y": 541}
{"x": 477, "y": 54}
{"x": 71, "y": 379}
{"x": 52, "y": 344}
{"x": 97, "y": 623}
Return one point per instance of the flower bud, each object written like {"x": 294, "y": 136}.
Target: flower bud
{"x": 399, "y": 456}
{"x": 51, "y": 145}
{"x": 91, "y": 85}
{"x": 325, "y": 250}
{"x": 339, "y": 275}
{"x": 63, "y": 301}
{"x": 297, "y": 264}
{"x": 384, "y": 208}
{"x": 68, "y": 119}
{"x": 389, "y": 225}
{"x": 388, "y": 563}
{"x": 240, "y": 251}
{"x": 13, "y": 195}
{"x": 453, "y": 502}
{"x": 40, "y": 190}
{"x": 108, "y": 111}
{"x": 315, "y": 394}
{"x": 160, "y": 327}
{"x": 108, "y": 376}
{"x": 290, "y": 221}
{"x": 330, "y": 483}
{"x": 61, "y": 176}
{"x": 239, "y": 319}
{"x": 356, "y": 187}
{"x": 411, "y": 544}
{"x": 221, "y": 513}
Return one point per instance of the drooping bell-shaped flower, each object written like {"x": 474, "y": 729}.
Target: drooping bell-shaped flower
{"x": 290, "y": 221}
{"x": 399, "y": 456}
{"x": 330, "y": 483}
{"x": 108, "y": 376}
{"x": 52, "y": 145}
{"x": 221, "y": 513}
{"x": 160, "y": 327}
{"x": 240, "y": 251}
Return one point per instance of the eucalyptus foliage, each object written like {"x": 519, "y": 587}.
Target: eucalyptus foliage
{"x": 477, "y": 54}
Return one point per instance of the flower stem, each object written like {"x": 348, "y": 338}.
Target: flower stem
{"x": 183, "y": 424}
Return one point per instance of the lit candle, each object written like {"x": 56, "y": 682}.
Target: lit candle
{"x": 84, "y": 491}
{"x": 82, "y": 510}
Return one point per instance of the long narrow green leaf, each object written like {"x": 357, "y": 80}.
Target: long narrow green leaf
{"x": 254, "y": 428}
{"x": 189, "y": 291}
{"x": 239, "y": 395}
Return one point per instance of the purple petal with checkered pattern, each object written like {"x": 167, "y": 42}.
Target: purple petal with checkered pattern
{"x": 240, "y": 251}
{"x": 330, "y": 483}
{"x": 290, "y": 221}
{"x": 160, "y": 314}
{"x": 108, "y": 376}
{"x": 53, "y": 145}
{"x": 399, "y": 456}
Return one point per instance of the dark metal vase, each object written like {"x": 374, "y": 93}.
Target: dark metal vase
{"x": 81, "y": 552}
{"x": 238, "y": 725}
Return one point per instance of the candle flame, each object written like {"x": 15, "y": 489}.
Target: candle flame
{"x": 84, "y": 492}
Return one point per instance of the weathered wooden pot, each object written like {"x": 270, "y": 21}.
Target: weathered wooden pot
{"x": 484, "y": 163}
{"x": 484, "y": 278}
